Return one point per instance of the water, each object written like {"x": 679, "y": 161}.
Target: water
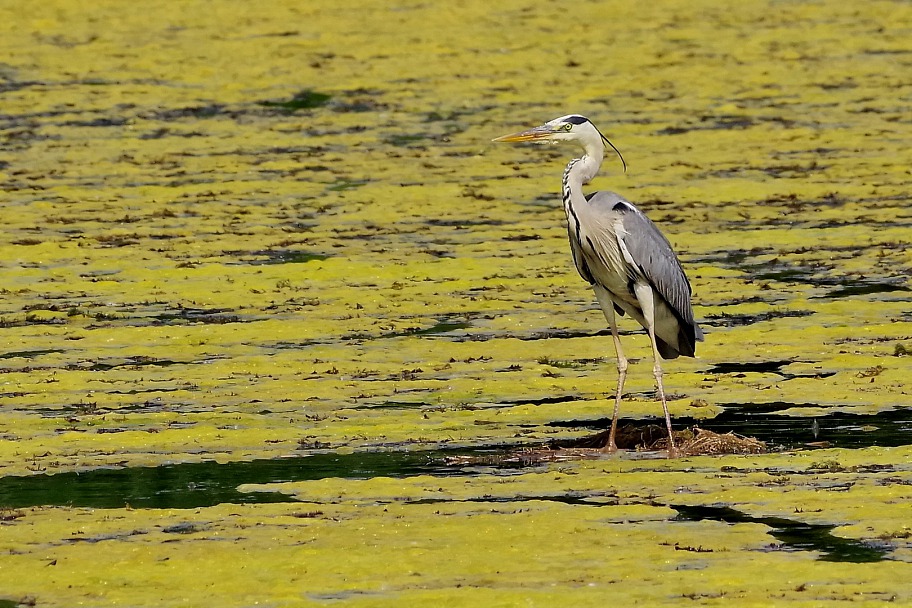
{"x": 793, "y": 535}
{"x": 889, "y": 428}
{"x": 202, "y": 484}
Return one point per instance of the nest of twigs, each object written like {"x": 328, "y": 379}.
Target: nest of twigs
{"x": 630, "y": 438}
{"x": 652, "y": 438}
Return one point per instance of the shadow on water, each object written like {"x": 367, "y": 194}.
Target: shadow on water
{"x": 794, "y": 535}
{"x": 202, "y": 484}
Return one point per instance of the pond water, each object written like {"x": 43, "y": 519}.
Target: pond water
{"x": 264, "y": 272}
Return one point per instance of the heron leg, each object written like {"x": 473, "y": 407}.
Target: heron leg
{"x": 647, "y": 303}
{"x": 657, "y": 371}
{"x": 608, "y": 308}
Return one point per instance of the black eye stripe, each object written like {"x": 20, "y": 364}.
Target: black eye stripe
{"x": 577, "y": 120}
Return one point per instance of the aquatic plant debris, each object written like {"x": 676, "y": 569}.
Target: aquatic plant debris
{"x": 195, "y": 276}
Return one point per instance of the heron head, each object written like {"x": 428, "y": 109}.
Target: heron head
{"x": 571, "y": 127}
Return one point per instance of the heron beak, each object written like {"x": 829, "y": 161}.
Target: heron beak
{"x": 536, "y": 134}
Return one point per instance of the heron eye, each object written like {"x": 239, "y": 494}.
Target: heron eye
{"x": 568, "y": 127}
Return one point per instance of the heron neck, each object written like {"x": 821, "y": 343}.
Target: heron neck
{"x": 579, "y": 172}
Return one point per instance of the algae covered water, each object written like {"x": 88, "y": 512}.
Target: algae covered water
{"x": 263, "y": 271}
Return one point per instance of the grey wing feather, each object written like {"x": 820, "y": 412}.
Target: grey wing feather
{"x": 652, "y": 253}
{"x": 658, "y": 262}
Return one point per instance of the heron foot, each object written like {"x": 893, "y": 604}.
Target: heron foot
{"x": 611, "y": 448}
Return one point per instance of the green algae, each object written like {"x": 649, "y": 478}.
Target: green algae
{"x": 191, "y": 275}
{"x": 501, "y": 534}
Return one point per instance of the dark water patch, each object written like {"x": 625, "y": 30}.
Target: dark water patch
{"x": 98, "y": 122}
{"x": 7, "y": 84}
{"x": 464, "y": 222}
{"x": 793, "y": 535}
{"x": 407, "y": 140}
{"x": 737, "y": 301}
{"x": 564, "y": 334}
{"x": 341, "y": 185}
{"x": 542, "y": 400}
{"x": 815, "y": 274}
{"x": 185, "y": 527}
{"x": 302, "y": 100}
{"x": 863, "y": 288}
{"x": 750, "y": 367}
{"x": 203, "y": 484}
{"x": 741, "y": 320}
{"x": 193, "y": 112}
{"x": 359, "y": 106}
{"x": 547, "y": 334}
{"x": 739, "y": 369}
{"x": 569, "y": 364}
{"x": 444, "y": 326}
{"x": 725, "y": 122}
{"x": 12, "y": 394}
{"x": 392, "y": 405}
{"x": 30, "y": 354}
{"x": 579, "y": 499}
{"x": 208, "y": 316}
{"x": 141, "y": 391}
{"x": 150, "y": 405}
{"x": 32, "y": 319}
{"x": 292, "y": 345}
{"x": 785, "y": 273}
{"x": 275, "y": 256}
{"x": 165, "y": 132}
{"x": 128, "y": 362}
{"x": 891, "y": 428}
{"x": 732, "y": 258}
{"x": 764, "y": 269}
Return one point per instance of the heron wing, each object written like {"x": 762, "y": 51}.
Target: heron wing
{"x": 648, "y": 253}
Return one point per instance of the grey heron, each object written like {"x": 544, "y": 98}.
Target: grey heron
{"x": 629, "y": 263}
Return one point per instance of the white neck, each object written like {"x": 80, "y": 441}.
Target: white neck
{"x": 579, "y": 172}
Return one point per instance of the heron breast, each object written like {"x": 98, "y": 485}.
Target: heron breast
{"x": 605, "y": 258}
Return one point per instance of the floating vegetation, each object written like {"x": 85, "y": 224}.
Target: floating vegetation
{"x": 251, "y": 330}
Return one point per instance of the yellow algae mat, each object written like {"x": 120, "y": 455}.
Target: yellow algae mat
{"x": 280, "y": 326}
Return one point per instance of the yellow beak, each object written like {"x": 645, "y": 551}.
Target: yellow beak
{"x": 536, "y": 134}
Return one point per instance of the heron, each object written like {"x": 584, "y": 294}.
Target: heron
{"x": 629, "y": 263}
